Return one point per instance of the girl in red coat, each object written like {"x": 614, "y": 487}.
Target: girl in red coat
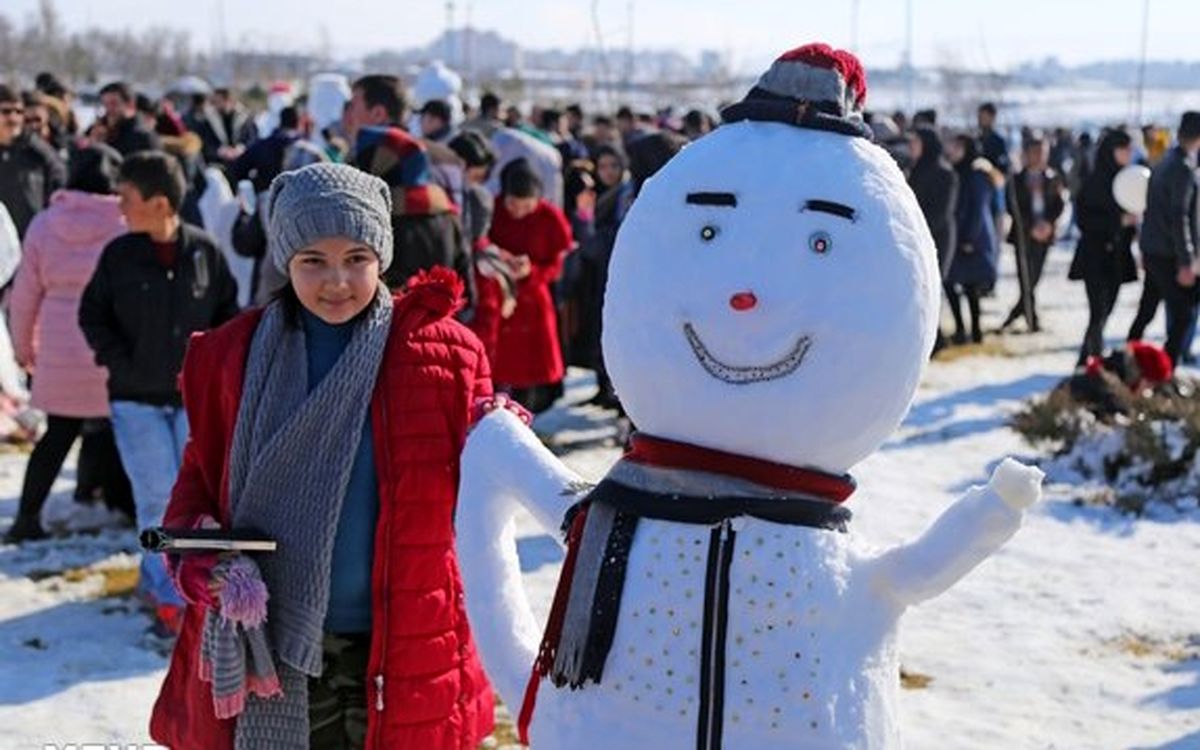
{"x": 524, "y": 347}
{"x": 331, "y": 421}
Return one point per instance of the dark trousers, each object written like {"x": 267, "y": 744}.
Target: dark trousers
{"x": 100, "y": 471}
{"x": 1147, "y": 309}
{"x": 51, "y": 451}
{"x": 1102, "y": 290}
{"x": 1180, "y": 301}
{"x": 538, "y": 398}
{"x": 337, "y": 700}
{"x": 972, "y": 293}
{"x": 1035, "y": 256}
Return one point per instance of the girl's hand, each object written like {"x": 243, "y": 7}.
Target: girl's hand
{"x": 1186, "y": 276}
{"x": 195, "y": 579}
{"x": 195, "y": 572}
{"x": 521, "y": 266}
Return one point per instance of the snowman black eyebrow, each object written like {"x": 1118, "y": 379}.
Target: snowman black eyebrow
{"x": 830, "y": 207}
{"x": 712, "y": 199}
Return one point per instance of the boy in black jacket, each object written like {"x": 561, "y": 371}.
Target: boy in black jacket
{"x": 152, "y": 289}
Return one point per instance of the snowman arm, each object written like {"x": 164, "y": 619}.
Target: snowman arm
{"x": 504, "y": 466}
{"x": 503, "y": 458}
{"x": 965, "y": 535}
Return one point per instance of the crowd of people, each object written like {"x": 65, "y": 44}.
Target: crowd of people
{"x": 972, "y": 196}
{"x": 496, "y": 220}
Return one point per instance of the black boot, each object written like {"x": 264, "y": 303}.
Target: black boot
{"x": 25, "y": 530}
{"x": 1013, "y": 316}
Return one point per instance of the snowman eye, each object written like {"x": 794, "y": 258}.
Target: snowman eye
{"x": 708, "y": 233}
{"x": 820, "y": 242}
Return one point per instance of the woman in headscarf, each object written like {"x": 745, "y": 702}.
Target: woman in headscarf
{"x": 614, "y": 189}
{"x": 935, "y": 183}
{"x": 1103, "y": 258}
{"x": 973, "y": 269}
{"x": 579, "y": 204}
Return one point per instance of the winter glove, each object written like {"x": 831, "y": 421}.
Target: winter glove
{"x": 488, "y": 404}
{"x": 194, "y": 578}
{"x": 193, "y": 573}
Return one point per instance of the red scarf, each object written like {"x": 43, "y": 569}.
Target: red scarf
{"x": 652, "y": 451}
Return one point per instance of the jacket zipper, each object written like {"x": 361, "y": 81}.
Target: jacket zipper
{"x": 716, "y": 620}
{"x": 381, "y": 638}
{"x": 172, "y": 308}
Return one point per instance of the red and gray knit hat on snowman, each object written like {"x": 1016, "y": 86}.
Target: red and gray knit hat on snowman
{"x": 814, "y": 86}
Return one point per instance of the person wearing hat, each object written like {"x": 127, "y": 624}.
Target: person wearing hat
{"x": 331, "y": 420}
{"x": 62, "y": 248}
{"x": 1170, "y": 236}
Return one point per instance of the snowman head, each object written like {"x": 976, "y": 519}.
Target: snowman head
{"x": 774, "y": 290}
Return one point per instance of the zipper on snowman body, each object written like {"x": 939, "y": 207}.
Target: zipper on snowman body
{"x": 716, "y": 619}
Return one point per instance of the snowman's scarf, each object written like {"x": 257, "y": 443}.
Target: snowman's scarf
{"x": 600, "y": 531}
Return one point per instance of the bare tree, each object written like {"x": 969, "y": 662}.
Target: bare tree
{"x": 957, "y": 101}
{"x": 153, "y": 57}
{"x": 9, "y": 53}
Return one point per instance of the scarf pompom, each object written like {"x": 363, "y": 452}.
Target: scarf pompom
{"x": 243, "y": 594}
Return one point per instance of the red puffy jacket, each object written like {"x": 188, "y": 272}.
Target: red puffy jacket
{"x": 434, "y": 692}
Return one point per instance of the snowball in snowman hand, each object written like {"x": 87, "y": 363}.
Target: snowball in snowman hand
{"x": 771, "y": 302}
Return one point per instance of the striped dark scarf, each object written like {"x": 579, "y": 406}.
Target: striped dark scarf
{"x": 403, "y": 163}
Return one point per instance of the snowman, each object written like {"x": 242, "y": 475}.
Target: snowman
{"x": 771, "y": 303}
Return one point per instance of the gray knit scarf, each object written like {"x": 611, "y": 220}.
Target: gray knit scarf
{"x": 288, "y": 470}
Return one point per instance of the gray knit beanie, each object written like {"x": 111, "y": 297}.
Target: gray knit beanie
{"x": 328, "y": 200}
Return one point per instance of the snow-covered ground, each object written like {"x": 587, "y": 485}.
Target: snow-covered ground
{"x": 1084, "y": 632}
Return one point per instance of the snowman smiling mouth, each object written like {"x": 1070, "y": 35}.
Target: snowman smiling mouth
{"x": 745, "y": 375}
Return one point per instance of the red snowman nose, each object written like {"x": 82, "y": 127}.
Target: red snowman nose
{"x": 743, "y": 301}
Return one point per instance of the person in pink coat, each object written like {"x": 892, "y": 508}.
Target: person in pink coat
{"x": 61, "y": 248}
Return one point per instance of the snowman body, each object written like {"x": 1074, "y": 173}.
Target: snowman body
{"x": 806, "y": 660}
{"x": 773, "y": 295}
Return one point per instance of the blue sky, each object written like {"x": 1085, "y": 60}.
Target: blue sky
{"x": 991, "y": 35}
